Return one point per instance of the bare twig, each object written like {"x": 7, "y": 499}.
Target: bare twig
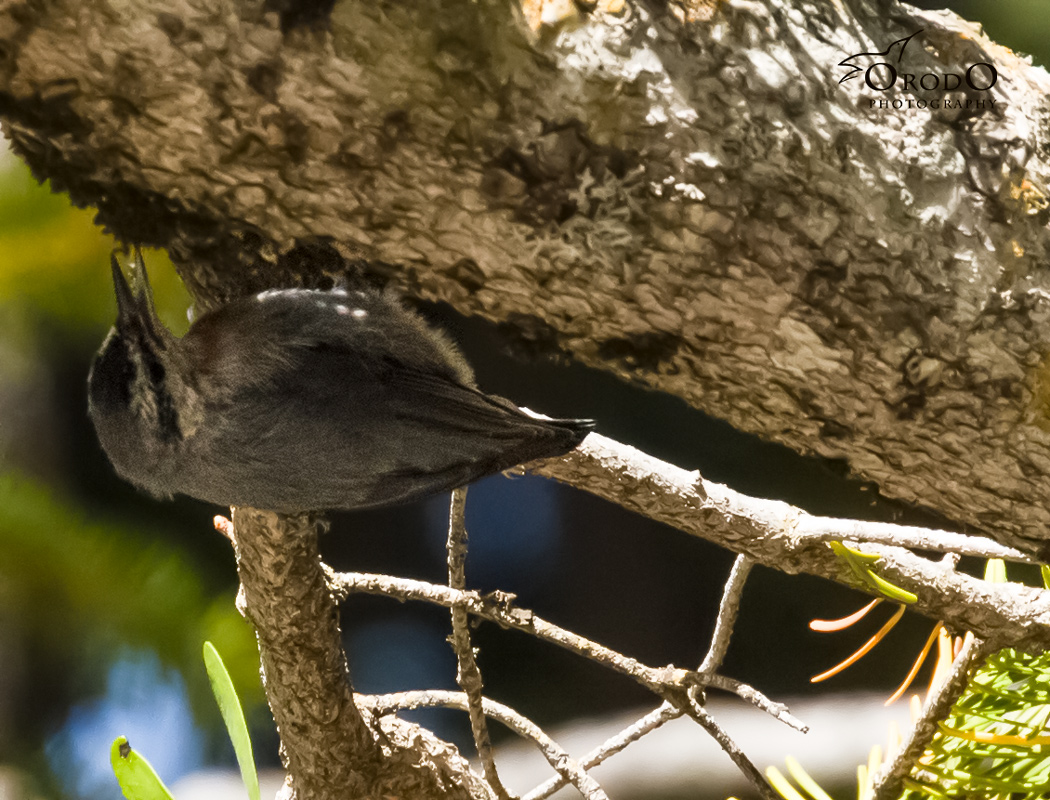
{"x": 560, "y": 760}
{"x": 656, "y": 718}
{"x": 497, "y": 608}
{"x": 727, "y": 611}
{"x": 732, "y": 749}
{"x": 667, "y": 711}
{"x": 667, "y": 682}
{"x": 468, "y": 676}
{"x": 889, "y": 780}
{"x": 788, "y": 539}
{"x": 751, "y": 695}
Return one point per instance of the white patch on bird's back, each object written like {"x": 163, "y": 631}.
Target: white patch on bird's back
{"x": 270, "y": 294}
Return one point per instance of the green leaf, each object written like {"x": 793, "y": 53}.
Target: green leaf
{"x": 855, "y": 560}
{"x": 995, "y": 571}
{"x": 860, "y": 564}
{"x": 233, "y": 716}
{"x": 893, "y": 591}
{"x": 136, "y": 777}
{"x": 858, "y": 556}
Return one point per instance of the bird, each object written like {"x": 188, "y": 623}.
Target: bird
{"x": 297, "y": 400}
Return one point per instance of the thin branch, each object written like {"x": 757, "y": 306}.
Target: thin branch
{"x": 788, "y": 539}
{"x": 556, "y": 756}
{"x": 732, "y": 749}
{"x": 889, "y": 781}
{"x": 668, "y": 681}
{"x": 727, "y": 612}
{"x": 667, "y": 711}
{"x": 498, "y": 608}
{"x": 656, "y": 718}
{"x": 468, "y": 676}
{"x": 749, "y": 694}
{"x": 830, "y": 529}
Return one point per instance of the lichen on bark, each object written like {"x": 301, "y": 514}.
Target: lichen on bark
{"x": 698, "y": 205}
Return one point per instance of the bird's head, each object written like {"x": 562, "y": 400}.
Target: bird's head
{"x": 134, "y": 386}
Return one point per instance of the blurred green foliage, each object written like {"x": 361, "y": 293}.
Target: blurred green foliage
{"x": 1021, "y": 25}
{"x": 78, "y": 589}
{"x": 233, "y": 716}
{"x": 54, "y": 259}
{"x": 78, "y": 584}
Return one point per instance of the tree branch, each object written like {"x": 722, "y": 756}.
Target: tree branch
{"x": 562, "y": 762}
{"x": 888, "y": 782}
{"x": 468, "y": 676}
{"x": 326, "y": 746}
{"x": 656, "y": 718}
{"x": 727, "y": 611}
{"x": 732, "y": 749}
{"x": 666, "y": 712}
{"x": 498, "y": 608}
{"x": 788, "y": 539}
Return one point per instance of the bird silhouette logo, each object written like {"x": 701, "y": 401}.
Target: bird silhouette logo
{"x": 886, "y": 54}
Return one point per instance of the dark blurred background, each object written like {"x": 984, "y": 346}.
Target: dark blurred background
{"x": 106, "y": 596}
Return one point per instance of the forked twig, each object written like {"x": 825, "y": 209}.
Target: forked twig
{"x": 732, "y": 749}
{"x": 498, "y": 608}
{"x": 556, "y": 756}
{"x": 656, "y": 718}
{"x": 667, "y": 711}
{"x": 468, "y": 676}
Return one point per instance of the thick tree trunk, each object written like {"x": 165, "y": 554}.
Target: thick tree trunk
{"x": 680, "y": 194}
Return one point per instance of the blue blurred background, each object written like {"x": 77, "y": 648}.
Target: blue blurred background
{"x": 106, "y": 595}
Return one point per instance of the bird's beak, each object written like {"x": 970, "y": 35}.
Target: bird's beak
{"x": 125, "y": 300}
{"x": 134, "y": 301}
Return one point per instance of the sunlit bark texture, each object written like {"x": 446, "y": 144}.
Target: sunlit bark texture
{"x": 683, "y": 194}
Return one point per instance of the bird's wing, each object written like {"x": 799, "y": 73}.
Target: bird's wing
{"x": 345, "y": 429}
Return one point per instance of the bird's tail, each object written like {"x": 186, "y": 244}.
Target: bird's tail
{"x": 571, "y": 431}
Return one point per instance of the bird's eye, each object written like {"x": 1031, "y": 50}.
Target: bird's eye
{"x": 156, "y": 371}
{"x": 112, "y": 376}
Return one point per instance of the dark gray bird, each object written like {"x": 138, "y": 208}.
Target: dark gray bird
{"x": 300, "y": 400}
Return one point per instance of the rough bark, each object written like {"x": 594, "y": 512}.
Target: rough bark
{"x": 785, "y": 538}
{"x": 327, "y": 746}
{"x": 681, "y": 194}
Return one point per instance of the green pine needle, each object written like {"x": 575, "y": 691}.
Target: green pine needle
{"x": 233, "y": 716}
